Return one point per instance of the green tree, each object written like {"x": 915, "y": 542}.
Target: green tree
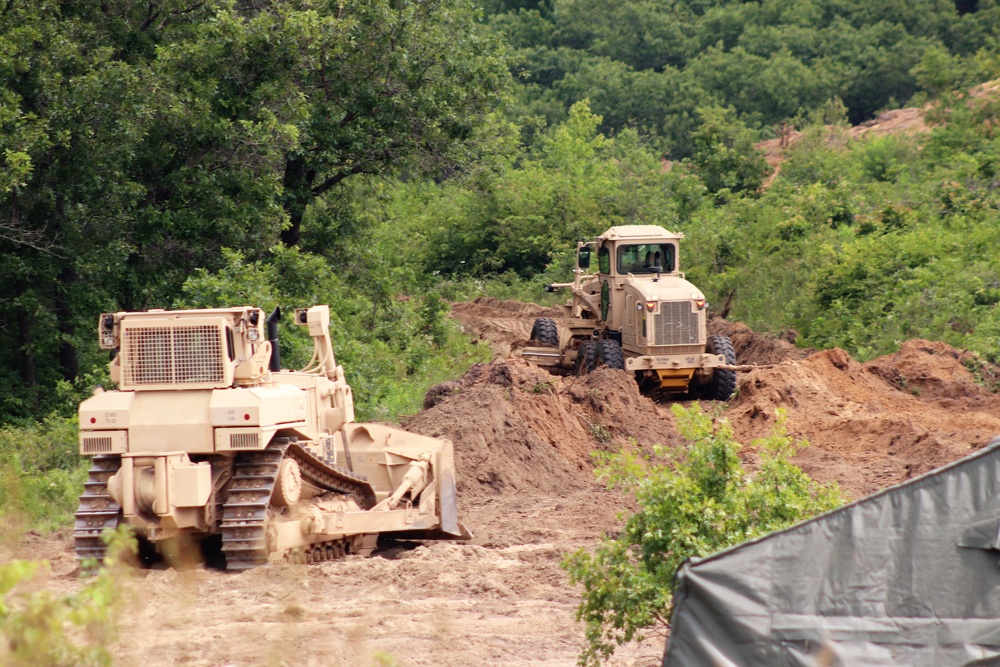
{"x": 724, "y": 155}
{"x": 575, "y": 184}
{"x": 690, "y": 503}
{"x": 137, "y": 140}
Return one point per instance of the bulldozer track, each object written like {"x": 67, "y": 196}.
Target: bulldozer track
{"x": 245, "y": 513}
{"x": 97, "y": 510}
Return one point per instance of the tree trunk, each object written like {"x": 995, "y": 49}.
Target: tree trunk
{"x": 297, "y": 183}
{"x": 64, "y": 314}
{"x": 25, "y": 346}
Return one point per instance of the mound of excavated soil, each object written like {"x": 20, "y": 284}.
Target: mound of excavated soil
{"x": 870, "y": 425}
{"x": 517, "y": 428}
{"x": 503, "y": 323}
{"x": 754, "y": 348}
{"x": 876, "y": 424}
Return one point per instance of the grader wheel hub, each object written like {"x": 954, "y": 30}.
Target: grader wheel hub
{"x": 288, "y": 488}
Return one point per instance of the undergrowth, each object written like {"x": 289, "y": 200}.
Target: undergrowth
{"x": 41, "y": 629}
{"x": 692, "y": 501}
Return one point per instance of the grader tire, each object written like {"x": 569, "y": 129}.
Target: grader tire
{"x": 586, "y": 358}
{"x": 609, "y": 353}
{"x": 545, "y": 332}
{"x": 723, "y": 382}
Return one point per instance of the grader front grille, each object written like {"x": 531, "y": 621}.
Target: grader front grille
{"x": 676, "y": 324}
{"x": 172, "y": 355}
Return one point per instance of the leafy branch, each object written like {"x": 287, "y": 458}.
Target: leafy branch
{"x": 691, "y": 503}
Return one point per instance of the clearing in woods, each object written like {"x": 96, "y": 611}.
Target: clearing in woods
{"x": 522, "y": 441}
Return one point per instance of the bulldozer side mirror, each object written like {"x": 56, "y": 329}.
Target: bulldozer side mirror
{"x": 583, "y": 258}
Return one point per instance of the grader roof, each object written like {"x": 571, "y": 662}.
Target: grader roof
{"x": 638, "y": 231}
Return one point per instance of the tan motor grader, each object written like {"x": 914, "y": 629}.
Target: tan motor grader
{"x": 207, "y": 439}
{"x": 639, "y": 314}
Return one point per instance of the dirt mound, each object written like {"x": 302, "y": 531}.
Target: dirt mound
{"x": 503, "y": 323}
{"x": 517, "y": 428}
{"x": 754, "y": 348}
{"x": 871, "y": 425}
{"x": 930, "y": 370}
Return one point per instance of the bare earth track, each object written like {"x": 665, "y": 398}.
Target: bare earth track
{"x": 522, "y": 441}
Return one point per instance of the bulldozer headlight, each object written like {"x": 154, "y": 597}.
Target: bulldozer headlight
{"x": 700, "y": 303}
{"x": 650, "y": 305}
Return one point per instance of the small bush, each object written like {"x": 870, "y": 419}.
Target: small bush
{"x": 40, "y": 629}
{"x": 691, "y": 503}
{"x": 41, "y": 473}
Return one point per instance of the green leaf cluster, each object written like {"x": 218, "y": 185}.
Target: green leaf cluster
{"x": 572, "y": 184}
{"x": 38, "y": 628}
{"x": 41, "y": 474}
{"x": 691, "y": 502}
{"x": 863, "y": 243}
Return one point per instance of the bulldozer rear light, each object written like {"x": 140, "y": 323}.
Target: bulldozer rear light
{"x": 700, "y": 303}
{"x": 650, "y": 305}
{"x": 246, "y": 417}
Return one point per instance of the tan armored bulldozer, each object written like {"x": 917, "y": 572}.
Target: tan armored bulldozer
{"x": 207, "y": 439}
{"x": 637, "y": 313}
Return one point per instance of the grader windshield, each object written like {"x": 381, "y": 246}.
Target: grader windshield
{"x": 646, "y": 258}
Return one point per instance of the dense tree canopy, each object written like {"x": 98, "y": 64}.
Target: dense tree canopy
{"x": 140, "y": 139}
{"x": 650, "y": 64}
{"x": 143, "y": 145}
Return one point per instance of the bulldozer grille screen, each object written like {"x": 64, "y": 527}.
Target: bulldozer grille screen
{"x": 676, "y": 324}
{"x": 172, "y": 355}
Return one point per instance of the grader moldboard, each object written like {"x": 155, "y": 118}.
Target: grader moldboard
{"x": 207, "y": 440}
{"x": 639, "y": 314}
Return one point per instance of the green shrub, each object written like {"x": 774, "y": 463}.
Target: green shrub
{"x": 691, "y": 503}
{"x": 40, "y": 629}
{"x": 41, "y": 473}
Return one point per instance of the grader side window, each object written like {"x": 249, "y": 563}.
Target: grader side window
{"x": 604, "y": 260}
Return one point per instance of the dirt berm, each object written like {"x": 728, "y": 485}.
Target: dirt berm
{"x": 869, "y": 425}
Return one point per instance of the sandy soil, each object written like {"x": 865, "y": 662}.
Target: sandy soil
{"x": 522, "y": 440}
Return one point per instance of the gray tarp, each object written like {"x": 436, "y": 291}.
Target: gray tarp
{"x": 909, "y": 576}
